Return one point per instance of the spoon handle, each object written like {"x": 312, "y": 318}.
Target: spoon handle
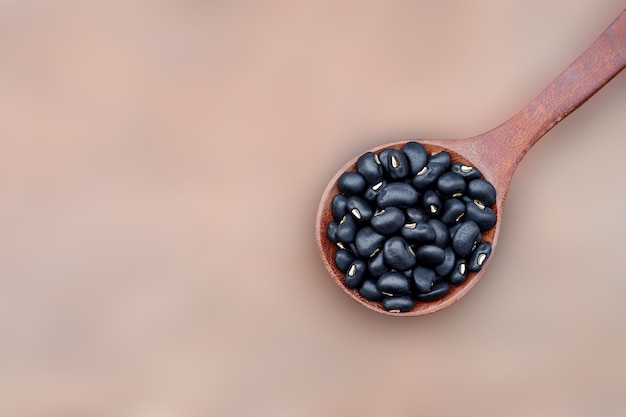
{"x": 604, "y": 59}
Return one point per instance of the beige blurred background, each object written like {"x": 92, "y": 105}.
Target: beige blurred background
{"x": 160, "y": 168}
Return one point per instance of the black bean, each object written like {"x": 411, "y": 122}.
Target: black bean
{"x": 419, "y": 233}
{"x": 429, "y": 255}
{"x": 346, "y": 229}
{"x": 367, "y": 241}
{"x": 397, "y": 254}
{"x": 479, "y": 257}
{"x": 441, "y": 157}
{"x": 442, "y": 236}
{"x": 415, "y": 215}
{"x": 369, "y": 291}
{"x": 451, "y": 184}
{"x": 338, "y": 207}
{"x": 351, "y": 183}
{"x": 465, "y": 238}
{"x": 396, "y": 165}
{"x": 448, "y": 262}
{"x": 371, "y": 170}
{"x": 394, "y": 283}
{"x": 359, "y": 208}
{"x": 376, "y": 265}
{"x": 466, "y": 171}
{"x": 343, "y": 259}
{"x": 452, "y": 211}
{"x": 371, "y": 192}
{"x": 355, "y": 274}
{"x": 437, "y": 292}
{"x": 459, "y": 272}
{"x": 482, "y": 191}
{"x": 397, "y": 194}
{"x": 332, "y": 231}
{"x": 387, "y": 221}
{"x": 416, "y": 155}
{"x": 483, "y": 216}
{"x": 423, "y": 279}
{"x": 428, "y": 176}
{"x": 399, "y": 304}
{"x": 431, "y": 202}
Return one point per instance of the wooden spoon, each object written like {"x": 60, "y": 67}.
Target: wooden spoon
{"x": 497, "y": 152}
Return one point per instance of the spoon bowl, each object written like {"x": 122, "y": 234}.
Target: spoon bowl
{"x": 496, "y": 153}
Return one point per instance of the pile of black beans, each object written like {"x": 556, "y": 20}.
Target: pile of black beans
{"x": 409, "y": 225}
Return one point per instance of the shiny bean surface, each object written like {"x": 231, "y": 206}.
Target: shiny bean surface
{"x": 482, "y": 191}
{"x": 397, "y": 194}
{"x": 367, "y": 241}
{"x": 398, "y": 255}
{"x": 369, "y": 291}
{"x": 466, "y": 238}
{"x": 452, "y": 211}
{"x": 331, "y": 231}
{"x": 450, "y": 183}
{"x": 415, "y": 215}
{"x": 371, "y": 170}
{"x": 483, "y": 216}
{"x": 441, "y": 157}
{"x": 479, "y": 257}
{"x": 398, "y": 304}
{"x": 359, "y": 208}
{"x": 376, "y": 265}
{"x": 468, "y": 172}
{"x": 428, "y": 176}
{"x": 397, "y": 165}
{"x": 346, "y": 229}
{"x": 418, "y": 233}
{"x": 442, "y": 236}
{"x": 459, "y": 272}
{"x": 431, "y": 202}
{"x": 338, "y": 207}
{"x": 416, "y": 156}
{"x": 388, "y": 221}
{"x": 343, "y": 259}
{"x": 371, "y": 192}
{"x": 356, "y": 273}
{"x": 429, "y": 255}
{"x": 394, "y": 283}
{"x": 423, "y": 279}
{"x": 351, "y": 183}
{"x": 438, "y": 290}
{"x": 447, "y": 265}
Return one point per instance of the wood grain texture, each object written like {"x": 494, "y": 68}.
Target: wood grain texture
{"x": 498, "y": 152}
